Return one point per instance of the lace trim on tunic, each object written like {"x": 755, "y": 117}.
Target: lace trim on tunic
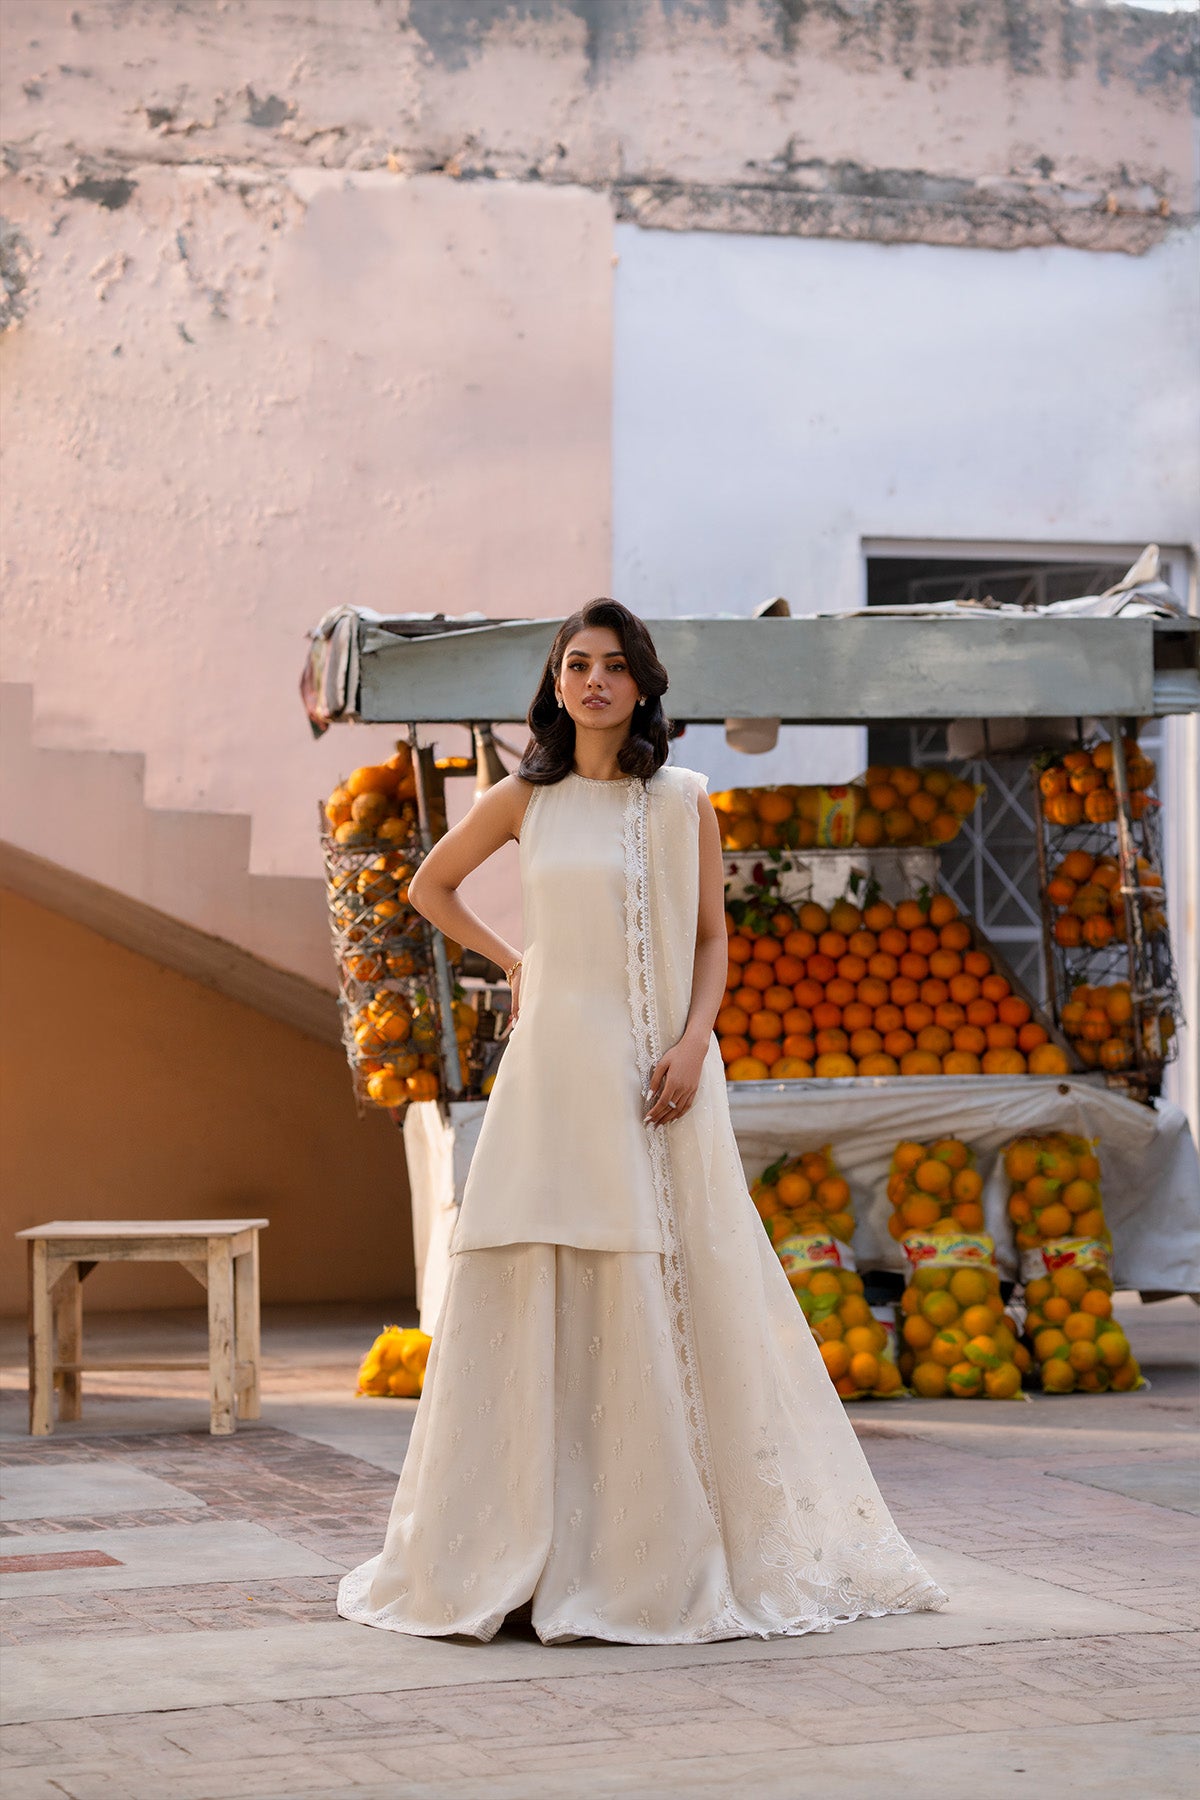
{"x": 647, "y": 1050}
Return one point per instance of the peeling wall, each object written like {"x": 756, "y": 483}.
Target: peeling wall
{"x": 996, "y": 122}
{"x": 240, "y": 398}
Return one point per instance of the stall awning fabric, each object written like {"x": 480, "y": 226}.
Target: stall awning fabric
{"x": 1092, "y": 657}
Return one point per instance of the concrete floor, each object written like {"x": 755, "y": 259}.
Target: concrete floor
{"x": 169, "y": 1631}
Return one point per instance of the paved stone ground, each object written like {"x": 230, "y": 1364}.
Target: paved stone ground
{"x": 1094, "y": 1497}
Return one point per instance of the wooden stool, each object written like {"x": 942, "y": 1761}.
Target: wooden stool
{"x": 222, "y": 1254}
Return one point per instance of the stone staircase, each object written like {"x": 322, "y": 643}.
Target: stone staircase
{"x": 77, "y": 836}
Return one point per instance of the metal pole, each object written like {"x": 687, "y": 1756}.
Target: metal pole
{"x": 1130, "y": 891}
{"x": 1048, "y": 958}
{"x": 448, "y": 1040}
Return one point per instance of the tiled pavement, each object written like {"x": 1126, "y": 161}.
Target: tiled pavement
{"x": 1008, "y": 1485}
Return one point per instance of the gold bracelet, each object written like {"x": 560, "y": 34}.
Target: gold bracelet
{"x": 509, "y": 973}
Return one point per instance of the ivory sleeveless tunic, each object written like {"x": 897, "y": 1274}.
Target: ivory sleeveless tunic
{"x": 562, "y": 1154}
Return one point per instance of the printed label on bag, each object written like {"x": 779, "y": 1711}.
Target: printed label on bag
{"x": 1092, "y": 1255}
{"x": 800, "y": 1253}
{"x": 962, "y": 1247}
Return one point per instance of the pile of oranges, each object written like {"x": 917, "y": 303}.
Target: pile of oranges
{"x": 1085, "y": 891}
{"x": 1077, "y": 1345}
{"x": 1099, "y": 1023}
{"x": 885, "y": 990}
{"x": 905, "y": 806}
{"x": 855, "y": 1346}
{"x": 376, "y": 804}
{"x": 1054, "y": 1190}
{"x": 395, "y": 1364}
{"x": 1079, "y": 787}
{"x": 802, "y": 1195}
{"x": 897, "y": 806}
{"x": 958, "y": 1339}
{"x": 934, "y": 1189}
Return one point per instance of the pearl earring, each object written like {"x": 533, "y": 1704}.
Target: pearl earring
{"x": 560, "y": 701}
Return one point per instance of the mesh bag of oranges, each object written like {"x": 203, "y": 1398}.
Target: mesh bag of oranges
{"x": 910, "y": 807}
{"x": 798, "y": 1195}
{"x": 395, "y": 1364}
{"x": 1079, "y": 787}
{"x": 934, "y": 1188}
{"x": 857, "y": 1344}
{"x": 1054, "y": 1193}
{"x": 958, "y": 1340}
{"x": 1077, "y": 1345}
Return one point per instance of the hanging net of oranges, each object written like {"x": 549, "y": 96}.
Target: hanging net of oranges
{"x": 857, "y": 1343}
{"x": 1114, "y": 983}
{"x": 371, "y": 847}
{"x": 958, "y": 1340}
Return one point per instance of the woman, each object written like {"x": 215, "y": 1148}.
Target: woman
{"x": 625, "y": 1420}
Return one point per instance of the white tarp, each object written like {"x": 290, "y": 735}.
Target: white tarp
{"x": 1149, "y": 1166}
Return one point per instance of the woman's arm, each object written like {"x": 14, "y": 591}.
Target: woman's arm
{"x": 677, "y": 1074}
{"x": 493, "y": 820}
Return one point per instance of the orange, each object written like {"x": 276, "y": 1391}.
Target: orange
{"x": 970, "y": 1038}
{"x": 1096, "y": 1302}
{"x": 918, "y": 1333}
{"x": 933, "y": 1175}
{"x": 1054, "y": 1221}
{"x": 814, "y": 918}
{"x": 964, "y": 1381}
{"x": 920, "y": 1062}
{"x": 864, "y": 1370}
{"x": 1112, "y": 1347}
{"x": 1003, "y": 1383}
{"x": 865, "y": 1043}
{"x": 898, "y": 1044}
{"x": 1080, "y": 1325}
{"x": 766, "y": 1024}
{"x": 970, "y": 1288}
{"x": 935, "y": 1039}
{"x": 835, "y": 1067}
{"x": 929, "y": 1380}
{"x": 940, "y": 1308}
{"x": 947, "y": 1347}
{"x": 731, "y": 1021}
{"x": 1056, "y": 1310}
{"x": 878, "y": 1063}
{"x": 1003, "y": 1062}
{"x": 747, "y": 1068}
{"x": 967, "y": 1183}
{"x": 920, "y": 1211}
{"x": 978, "y": 1318}
{"x": 917, "y": 1016}
{"x": 836, "y": 1358}
{"x": 1046, "y": 1343}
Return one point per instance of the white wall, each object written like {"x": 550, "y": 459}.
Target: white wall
{"x": 779, "y": 400}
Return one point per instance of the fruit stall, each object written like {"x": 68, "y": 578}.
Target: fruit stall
{"x": 866, "y": 1011}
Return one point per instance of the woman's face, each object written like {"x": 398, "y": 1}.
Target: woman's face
{"x": 594, "y": 681}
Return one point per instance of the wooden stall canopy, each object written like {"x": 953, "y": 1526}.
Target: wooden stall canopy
{"x": 1133, "y": 655}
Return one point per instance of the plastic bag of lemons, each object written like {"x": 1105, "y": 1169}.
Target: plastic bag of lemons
{"x": 958, "y": 1339}
{"x": 857, "y": 1343}
{"x": 805, "y": 1195}
{"x": 934, "y": 1188}
{"x": 395, "y": 1364}
{"x": 1077, "y": 1345}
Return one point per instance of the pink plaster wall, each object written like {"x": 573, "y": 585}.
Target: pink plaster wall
{"x": 238, "y": 400}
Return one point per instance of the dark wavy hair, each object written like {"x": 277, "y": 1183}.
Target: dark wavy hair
{"x": 549, "y": 756}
